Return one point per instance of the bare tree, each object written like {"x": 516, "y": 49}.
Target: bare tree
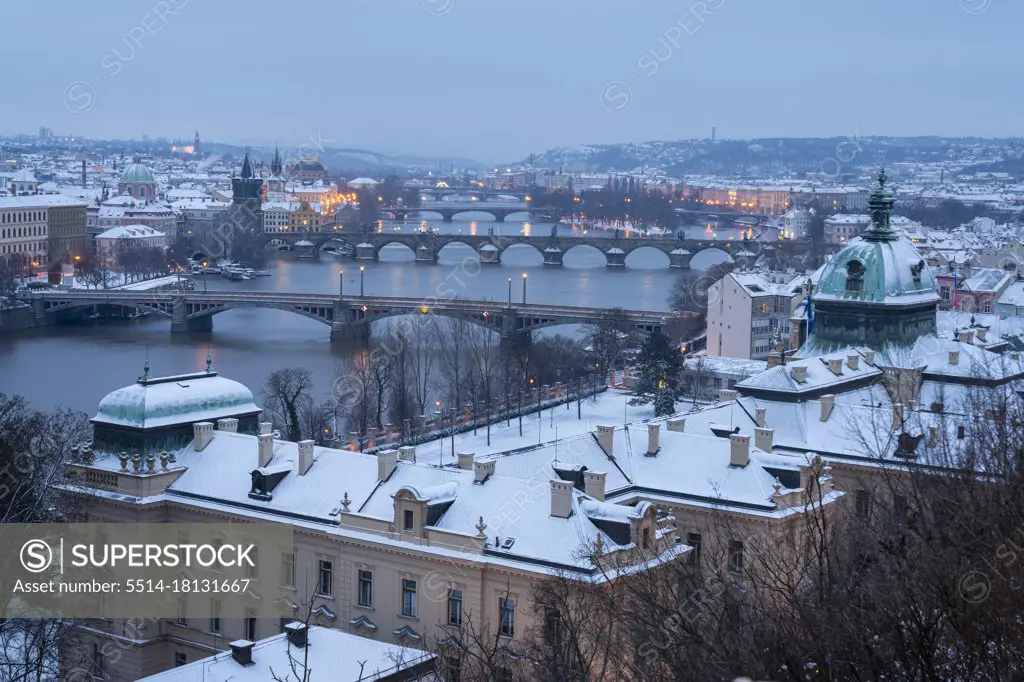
{"x": 283, "y": 393}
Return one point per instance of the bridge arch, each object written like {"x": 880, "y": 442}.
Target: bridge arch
{"x": 326, "y": 315}
{"x": 457, "y": 243}
{"x": 647, "y": 257}
{"x": 406, "y": 248}
{"x": 586, "y": 255}
{"x": 524, "y": 248}
{"x": 711, "y": 255}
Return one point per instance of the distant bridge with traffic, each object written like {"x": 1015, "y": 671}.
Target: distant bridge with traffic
{"x": 426, "y": 246}
{"x": 349, "y": 317}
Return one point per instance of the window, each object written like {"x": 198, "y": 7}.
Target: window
{"x": 735, "y": 556}
{"x": 215, "y": 616}
{"x": 365, "y": 596}
{"x": 179, "y": 659}
{"x": 254, "y": 570}
{"x": 250, "y": 625}
{"x": 552, "y": 627}
{"x": 407, "y": 519}
{"x": 987, "y": 307}
{"x": 181, "y": 619}
{"x": 288, "y": 569}
{"x": 863, "y": 503}
{"x": 325, "y": 585}
{"x": 409, "y": 598}
{"x": 693, "y": 540}
{"x": 507, "y": 609}
{"x": 455, "y": 608}
{"x": 97, "y": 660}
{"x": 645, "y": 538}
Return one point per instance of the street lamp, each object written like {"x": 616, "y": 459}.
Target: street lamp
{"x": 509, "y": 292}
{"x": 362, "y": 273}
{"x": 341, "y": 284}
{"x": 524, "y": 287}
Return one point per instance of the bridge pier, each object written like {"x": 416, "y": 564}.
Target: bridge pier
{"x": 615, "y": 258}
{"x": 553, "y": 256}
{"x": 447, "y": 216}
{"x": 425, "y": 254}
{"x": 365, "y": 251}
{"x": 356, "y": 333}
{"x": 203, "y": 323}
{"x": 679, "y": 258}
{"x": 489, "y": 254}
{"x": 499, "y": 217}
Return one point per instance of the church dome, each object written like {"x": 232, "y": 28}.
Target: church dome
{"x": 137, "y": 173}
{"x": 877, "y": 271}
{"x": 170, "y": 401}
{"x": 880, "y": 267}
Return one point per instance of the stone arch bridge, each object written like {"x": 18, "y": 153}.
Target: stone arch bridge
{"x": 348, "y": 317}
{"x": 427, "y": 246}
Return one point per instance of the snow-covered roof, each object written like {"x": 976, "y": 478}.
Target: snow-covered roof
{"x": 130, "y": 232}
{"x": 334, "y": 654}
{"x": 173, "y": 400}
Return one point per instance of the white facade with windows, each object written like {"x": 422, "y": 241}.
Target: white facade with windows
{"x": 23, "y": 228}
{"x": 746, "y": 310}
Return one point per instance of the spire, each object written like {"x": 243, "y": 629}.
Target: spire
{"x": 276, "y": 165}
{"x": 246, "y": 167}
{"x": 880, "y": 207}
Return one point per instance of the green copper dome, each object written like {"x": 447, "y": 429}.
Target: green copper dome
{"x": 137, "y": 173}
{"x": 869, "y": 271}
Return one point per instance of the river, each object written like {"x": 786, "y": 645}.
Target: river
{"x": 76, "y": 365}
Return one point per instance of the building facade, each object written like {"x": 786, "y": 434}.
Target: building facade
{"x": 24, "y": 229}
{"x": 747, "y": 310}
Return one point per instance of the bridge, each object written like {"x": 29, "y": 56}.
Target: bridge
{"x": 449, "y": 209}
{"x": 426, "y": 246}
{"x": 349, "y": 317}
{"x": 482, "y": 194}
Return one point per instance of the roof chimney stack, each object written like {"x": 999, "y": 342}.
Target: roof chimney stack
{"x": 202, "y": 434}
{"x": 305, "y": 456}
{"x": 828, "y": 402}
{"x": 677, "y": 425}
{"x": 241, "y": 651}
{"x": 835, "y": 365}
{"x": 954, "y": 357}
{"x": 726, "y": 394}
{"x": 266, "y": 448}
{"x": 482, "y": 470}
{"x": 387, "y": 461}
{"x": 230, "y": 425}
{"x": 606, "y": 439}
{"x": 561, "y": 499}
{"x": 799, "y": 373}
{"x": 739, "y": 450}
{"x": 760, "y": 415}
{"x": 869, "y": 357}
{"x": 853, "y": 361}
{"x": 266, "y": 427}
{"x": 593, "y": 483}
{"x": 297, "y": 634}
{"x": 764, "y": 438}
{"x": 407, "y": 453}
{"x": 653, "y": 438}
{"x": 465, "y": 460}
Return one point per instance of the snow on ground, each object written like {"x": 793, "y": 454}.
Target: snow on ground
{"x": 611, "y": 408}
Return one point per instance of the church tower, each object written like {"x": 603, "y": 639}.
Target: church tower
{"x": 275, "y": 190}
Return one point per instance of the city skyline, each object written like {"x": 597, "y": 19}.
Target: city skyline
{"x": 421, "y": 80}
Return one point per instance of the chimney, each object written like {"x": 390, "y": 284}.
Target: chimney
{"x": 266, "y": 428}
{"x": 853, "y": 361}
{"x": 202, "y": 434}
{"x": 981, "y": 335}
{"x": 677, "y": 425}
{"x": 465, "y": 460}
{"x": 83, "y": 173}
{"x": 241, "y": 651}
{"x": 482, "y": 470}
{"x": 897, "y": 415}
{"x": 561, "y": 499}
{"x": 593, "y": 484}
{"x": 835, "y": 365}
{"x": 305, "y": 456}
{"x": 799, "y": 373}
{"x": 606, "y": 439}
{"x": 869, "y": 357}
{"x": 726, "y": 394}
{"x": 297, "y": 634}
{"x": 774, "y": 360}
{"x": 763, "y": 438}
{"x": 739, "y": 450}
{"x": 954, "y": 357}
{"x": 760, "y": 415}
{"x": 827, "y": 403}
{"x": 653, "y": 438}
{"x": 387, "y": 461}
{"x": 407, "y": 453}
{"x": 967, "y": 336}
{"x": 230, "y": 425}
{"x": 266, "y": 447}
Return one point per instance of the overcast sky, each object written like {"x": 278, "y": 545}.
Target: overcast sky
{"x": 496, "y": 79}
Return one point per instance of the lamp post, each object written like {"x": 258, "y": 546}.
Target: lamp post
{"x": 362, "y": 273}
{"x": 509, "y": 292}
{"x": 341, "y": 284}
{"x": 524, "y": 288}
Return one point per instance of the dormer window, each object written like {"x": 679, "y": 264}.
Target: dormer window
{"x": 407, "y": 520}
{"x": 854, "y": 276}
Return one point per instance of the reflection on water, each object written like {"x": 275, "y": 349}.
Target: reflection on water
{"x": 78, "y": 365}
